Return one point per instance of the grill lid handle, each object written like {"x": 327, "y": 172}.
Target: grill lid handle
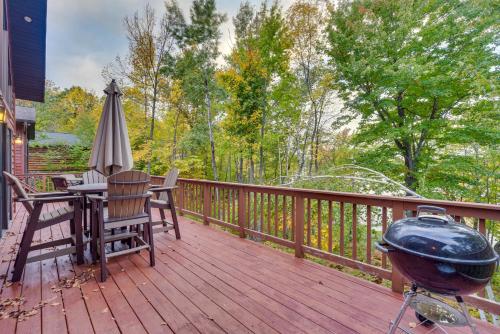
{"x": 441, "y": 216}
{"x": 430, "y": 209}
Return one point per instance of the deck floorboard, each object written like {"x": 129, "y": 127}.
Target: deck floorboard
{"x": 210, "y": 281}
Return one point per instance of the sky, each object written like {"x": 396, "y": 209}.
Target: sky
{"x": 84, "y": 36}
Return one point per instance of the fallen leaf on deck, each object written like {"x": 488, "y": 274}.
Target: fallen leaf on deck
{"x": 412, "y": 325}
{"x": 163, "y": 324}
{"x": 95, "y": 290}
{"x": 55, "y": 304}
{"x": 105, "y": 310}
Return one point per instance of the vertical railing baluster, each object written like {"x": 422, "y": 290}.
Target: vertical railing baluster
{"x": 293, "y": 218}
{"x": 241, "y": 211}
{"x": 269, "y": 213}
{"x": 206, "y": 203}
{"x": 368, "y": 234}
{"x": 354, "y": 231}
{"x": 284, "y": 218}
{"x": 255, "y": 220}
{"x": 275, "y": 214}
{"x": 330, "y": 226}
{"x": 308, "y": 223}
{"x": 384, "y": 227}
{"x": 319, "y": 224}
{"x": 397, "y": 278}
{"x": 262, "y": 212}
{"x": 341, "y": 235}
{"x": 299, "y": 228}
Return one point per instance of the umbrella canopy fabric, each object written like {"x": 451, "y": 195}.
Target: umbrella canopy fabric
{"x": 111, "y": 151}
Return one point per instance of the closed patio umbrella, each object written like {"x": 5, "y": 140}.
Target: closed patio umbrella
{"x": 111, "y": 151}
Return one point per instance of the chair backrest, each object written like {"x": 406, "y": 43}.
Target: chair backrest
{"x": 93, "y": 176}
{"x": 60, "y": 182}
{"x": 127, "y": 193}
{"x": 170, "y": 181}
{"x": 19, "y": 190}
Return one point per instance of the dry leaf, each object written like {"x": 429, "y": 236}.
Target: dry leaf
{"x": 412, "y": 325}
{"x": 163, "y": 324}
{"x": 55, "y": 304}
{"x": 105, "y": 310}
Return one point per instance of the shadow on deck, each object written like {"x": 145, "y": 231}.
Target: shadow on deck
{"x": 208, "y": 282}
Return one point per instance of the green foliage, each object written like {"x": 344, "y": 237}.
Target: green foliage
{"x": 415, "y": 72}
{"x": 404, "y": 87}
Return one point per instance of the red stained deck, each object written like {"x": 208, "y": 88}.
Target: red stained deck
{"x": 208, "y": 282}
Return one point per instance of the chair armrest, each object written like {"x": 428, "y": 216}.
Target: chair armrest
{"x": 49, "y": 199}
{"x": 160, "y": 189}
{"x": 53, "y": 194}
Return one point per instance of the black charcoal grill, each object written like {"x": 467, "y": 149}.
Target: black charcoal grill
{"x": 438, "y": 255}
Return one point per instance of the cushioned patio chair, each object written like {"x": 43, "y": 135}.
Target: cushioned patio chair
{"x": 162, "y": 202}
{"x": 34, "y": 203}
{"x": 128, "y": 207}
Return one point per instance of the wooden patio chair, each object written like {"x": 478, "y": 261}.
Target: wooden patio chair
{"x": 163, "y": 202}
{"x": 60, "y": 182}
{"x": 93, "y": 176}
{"x": 37, "y": 220}
{"x": 128, "y": 206}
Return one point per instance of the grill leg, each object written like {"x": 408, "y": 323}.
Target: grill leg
{"x": 471, "y": 324}
{"x": 408, "y": 297}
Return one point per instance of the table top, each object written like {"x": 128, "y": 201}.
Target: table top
{"x": 97, "y": 188}
{"x": 90, "y": 188}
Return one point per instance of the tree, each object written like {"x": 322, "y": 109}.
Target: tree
{"x": 412, "y": 71}
{"x": 150, "y": 43}
{"x": 306, "y": 22}
{"x": 202, "y": 38}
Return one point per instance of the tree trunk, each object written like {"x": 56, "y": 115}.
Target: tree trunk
{"x": 174, "y": 144}
{"x": 411, "y": 168}
{"x": 261, "y": 148}
{"x": 251, "y": 168}
{"x": 210, "y": 131}
{"x": 152, "y": 127}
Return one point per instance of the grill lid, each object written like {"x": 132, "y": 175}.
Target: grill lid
{"x": 439, "y": 237}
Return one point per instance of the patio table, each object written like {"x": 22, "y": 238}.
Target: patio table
{"x": 84, "y": 190}
{"x": 99, "y": 188}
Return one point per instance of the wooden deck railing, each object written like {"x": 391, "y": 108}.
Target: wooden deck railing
{"x": 335, "y": 226}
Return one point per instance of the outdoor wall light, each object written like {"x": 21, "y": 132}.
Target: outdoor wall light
{"x": 28, "y": 19}
{"x": 3, "y": 115}
{"x": 18, "y": 140}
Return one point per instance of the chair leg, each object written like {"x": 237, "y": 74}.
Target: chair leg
{"x": 102, "y": 249}
{"x": 77, "y": 221}
{"x": 174, "y": 214}
{"x": 93, "y": 233}
{"x": 24, "y": 247}
{"x": 151, "y": 244}
{"x": 163, "y": 221}
{"x": 150, "y": 236}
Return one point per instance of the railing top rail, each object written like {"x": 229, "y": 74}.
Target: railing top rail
{"x": 479, "y": 210}
{"x": 464, "y": 209}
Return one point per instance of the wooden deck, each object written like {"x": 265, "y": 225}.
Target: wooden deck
{"x": 208, "y": 282}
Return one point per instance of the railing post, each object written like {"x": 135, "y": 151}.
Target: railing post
{"x": 241, "y": 211}
{"x": 181, "y": 199}
{"x": 397, "y": 278}
{"x": 206, "y": 203}
{"x": 299, "y": 226}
